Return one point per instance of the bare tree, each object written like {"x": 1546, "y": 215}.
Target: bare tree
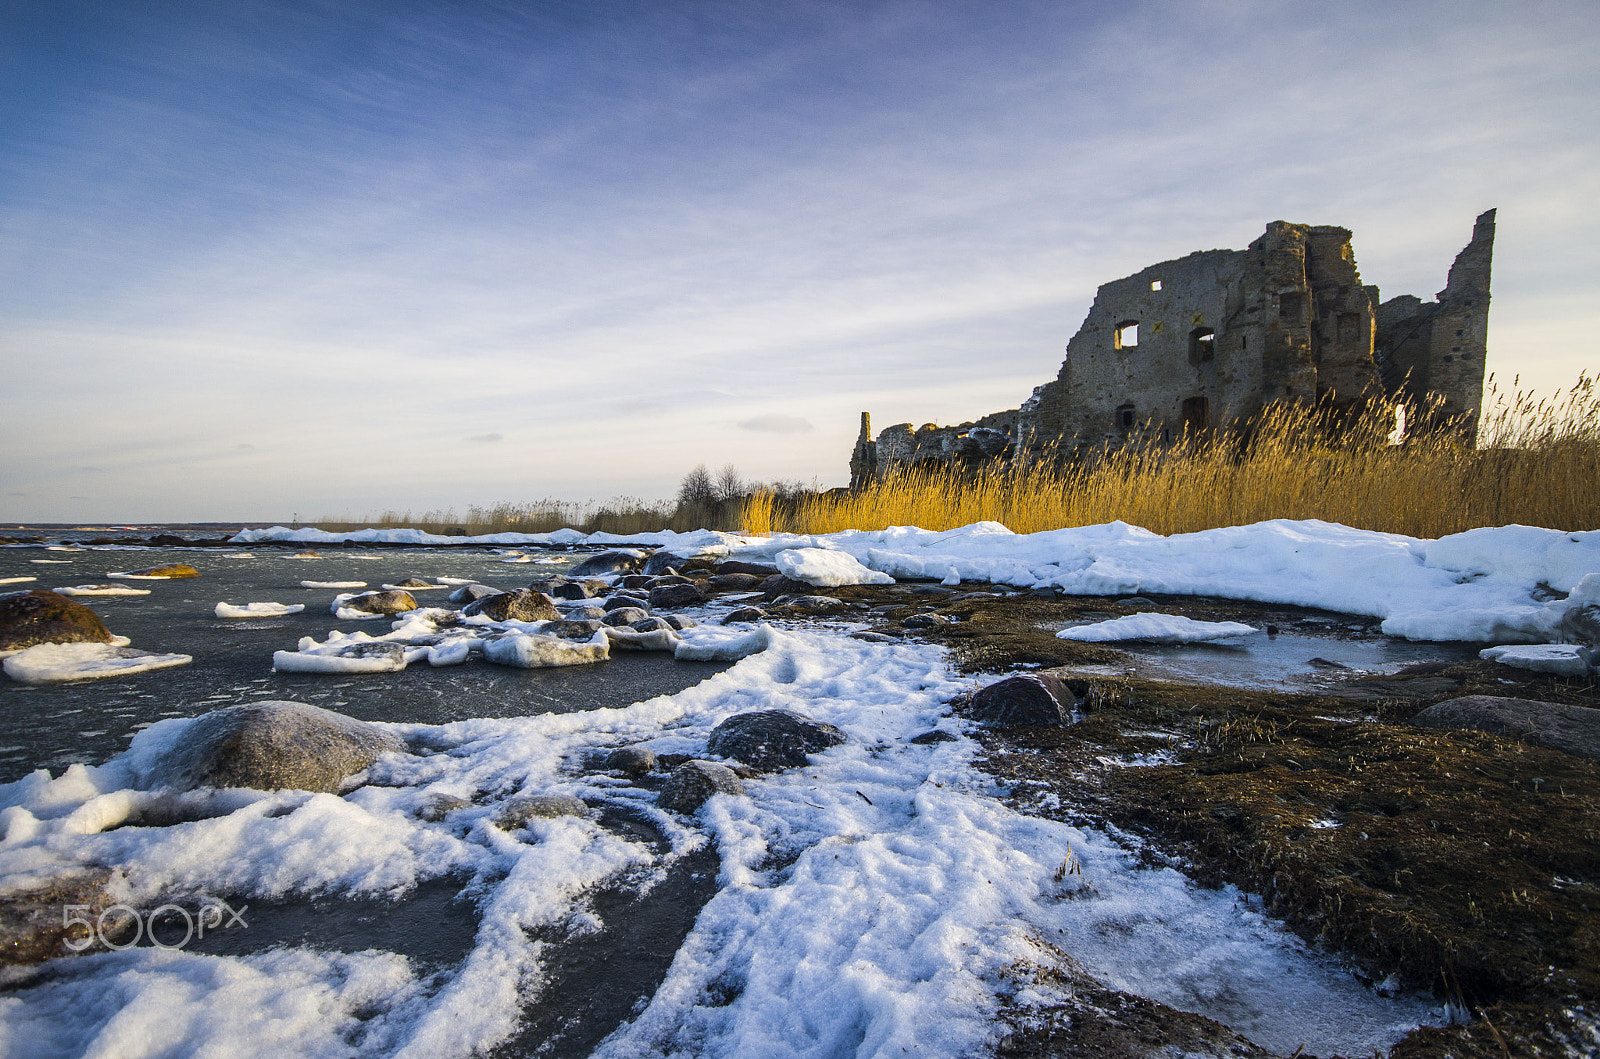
{"x": 728, "y": 484}
{"x": 697, "y": 488}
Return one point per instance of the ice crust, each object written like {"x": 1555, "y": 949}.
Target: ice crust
{"x": 885, "y": 933}
{"x": 1560, "y": 659}
{"x": 1156, "y": 628}
{"x": 1482, "y": 585}
{"x": 57, "y": 663}
{"x": 101, "y": 590}
{"x": 257, "y": 610}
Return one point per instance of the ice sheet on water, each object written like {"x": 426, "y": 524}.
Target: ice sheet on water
{"x": 1156, "y": 628}
{"x": 101, "y": 590}
{"x": 58, "y": 663}
{"x": 333, "y": 584}
{"x": 257, "y": 610}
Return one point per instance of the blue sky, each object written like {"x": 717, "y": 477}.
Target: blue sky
{"x": 266, "y": 258}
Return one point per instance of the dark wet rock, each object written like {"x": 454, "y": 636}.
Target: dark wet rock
{"x": 440, "y": 806}
{"x": 624, "y": 616}
{"x": 624, "y": 601}
{"x": 270, "y": 746}
{"x": 661, "y": 562}
{"x": 614, "y": 562}
{"x": 779, "y": 585}
{"x": 547, "y": 585}
{"x": 651, "y": 624}
{"x": 668, "y": 596}
{"x": 1029, "y": 698}
{"x": 522, "y": 604}
{"x": 633, "y": 760}
{"x": 679, "y": 622}
{"x": 516, "y": 812}
{"x": 42, "y": 616}
{"x": 172, "y": 570}
{"x": 381, "y": 602}
{"x": 734, "y": 566}
{"x": 668, "y": 579}
{"x": 932, "y": 590}
{"x": 1136, "y": 601}
{"x": 809, "y": 603}
{"x": 1570, "y": 729}
{"x": 1377, "y": 689}
{"x": 581, "y": 589}
{"x": 585, "y": 613}
{"x": 692, "y": 782}
{"x": 633, "y": 582}
{"x": 469, "y": 593}
{"x": 35, "y": 928}
{"x": 573, "y": 628}
{"x": 672, "y": 761}
{"x": 872, "y": 637}
{"x": 744, "y": 614}
{"x": 770, "y": 740}
{"x": 938, "y": 735}
{"x": 735, "y": 581}
{"x": 168, "y": 540}
{"x": 925, "y": 621}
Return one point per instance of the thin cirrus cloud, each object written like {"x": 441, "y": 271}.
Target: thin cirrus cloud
{"x": 617, "y": 228}
{"x": 773, "y": 423}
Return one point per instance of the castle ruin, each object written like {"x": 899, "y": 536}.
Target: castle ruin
{"x": 1211, "y": 339}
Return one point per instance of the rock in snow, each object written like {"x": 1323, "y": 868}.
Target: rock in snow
{"x": 1558, "y": 659}
{"x": 521, "y": 604}
{"x": 1030, "y": 698}
{"x": 692, "y": 782}
{"x": 269, "y": 746}
{"x": 772, "y": 740}
{"x": 40, "y": 616}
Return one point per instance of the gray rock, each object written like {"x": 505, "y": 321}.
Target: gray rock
{"x": 381, "y": 602}
{"x": 633, "y": 582}
{"x": 692, "y": 782}
{"x": 440, "y": 806}
{"x": 388, "y": 650}
{"x": 779, "y": 585}
{"x": 668, "y": 596}
{"x": 624, "y": 601}
{"x": 735, "y": 581}
{"x": 39, "y": 616}
{"x": 269, "y": 746}
{"x": 744, "y": 614}
{"x": 938, "y": 735}
{"x": 573, "y": 628}
{"x": 1136, "y": 601}
{"x": 679, "y": 622}
{"x": 669, "y": 579}
{"x": 872, "y": 637}
{"x": 585, "y": 613}
{"x": 624, "y": 616}
{"x": 734, "y": 566}
{"x": 771, "y": 740}
{"x": 1570, "y": 729}
{"x": 661, "y": 562}
{"x": 1030, "y": 698}
{"x": 925, "y": 621}
{"x": 651, "y": 624}
{"x": 633, "y": 760}
{"x": 547, "y": 585}
{"x": 811, "y": 604}
{"x": 581, "y": 589}
{"x": 522, "y": 604}
{"x": 468, "y": 593}
{"x": 515, "y": 812}
{"x": 614, "y": 562}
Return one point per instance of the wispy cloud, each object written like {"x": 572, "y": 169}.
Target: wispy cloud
{"x": 774, "y": 423}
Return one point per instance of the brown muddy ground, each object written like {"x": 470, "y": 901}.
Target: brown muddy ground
{"x": 1453, "y": 861}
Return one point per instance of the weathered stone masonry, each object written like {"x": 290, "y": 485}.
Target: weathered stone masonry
{"x": 1216, "y": 336}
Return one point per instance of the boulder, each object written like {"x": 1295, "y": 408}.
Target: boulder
{"x": 633, "y": 760}
{"x": 581, "y": 589}
{"x": 651, "y": 624}
{"x": 771, "y": 740}
{"x": 41, "y": 616}
{"x": 379, "y": 602}
{"x": 615, "y": 562}
{"x": 1570, "y": 729}
{"x": 679, "y": 622}
{"x": 633, "y": 582}
{"x": 809, "y": 604}
{"x": 734, "y": 566}
{"x": 668, "y": 579}
{"x": 174, "y": 570}
{"x": 522, "y": 604}
{"x": 518, "y": 811}
{"x": 661, "y": 562}
{"x": 779, "y": 585}
{"x": 744, "y": 614}
{"x": 624, "y": 616}
{"x": 468, "y": 593}
{"x": 924, "y": 621}
{"x": 1031, "y": 698}
{"x": 573, "y": 628}
{"x": 668, "y": 596}
{"x": 624, "y": 601}
{"x": 692, "y": 782}
{"x": 269, "y": 746}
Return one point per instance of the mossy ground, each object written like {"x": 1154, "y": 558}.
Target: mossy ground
{"x": 1455, "y": 861}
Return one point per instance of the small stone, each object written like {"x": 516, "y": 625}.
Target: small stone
{"x": 871, "y": 637}
{"x": 734, "y": 581}
{"x": 1136, "y": 601}
{"x": 679, "y": 622}
{"x": 744, "y": 614}
{"x": 1031, "y": 698}
{"x": 573, "y": 590}
{"x": 734, "y": 566}
{"x": 624, "y": 616}
{"x": 808, "y": 603}
{"x": 938, "y": 735}
{"x": 633, "y": 760}
{"x": 693, "y": 782}
{"x": 440, "y": 806}
{"x": 515, "y": 812}
{"x": 771, "y": 740}
{"x": 633, "y": 581}
{"x": 614, "y": 562}
{"x": 624, "y": 601}
{"x": 925, "y": 621}
{"x": 651, "y": 624}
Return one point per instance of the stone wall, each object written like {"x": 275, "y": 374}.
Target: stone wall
{"x": 1203, "y": 341}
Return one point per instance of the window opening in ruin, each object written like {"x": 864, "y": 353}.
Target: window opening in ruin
{"x": 1202, "y": 345}
{"x": 1291, "y": 306}
{"x": 1196, "y": 414}
{"x": 1126, "y": 335}
{"x": 1244, "y": 341}
{"x": 1125, "y": 417}
{"x": 1155, "y": 284}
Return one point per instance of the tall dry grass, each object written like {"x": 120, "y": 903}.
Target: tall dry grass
{"x": 1537, "y": 462}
